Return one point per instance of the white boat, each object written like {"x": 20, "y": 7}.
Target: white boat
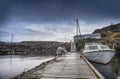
{"x": 98, "y": 53}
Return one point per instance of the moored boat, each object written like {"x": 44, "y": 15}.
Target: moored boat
{"x": 98, "y": 53}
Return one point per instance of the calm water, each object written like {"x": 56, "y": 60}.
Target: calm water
{"x": 11, "y": 66}
{"x": 111, "y": 70}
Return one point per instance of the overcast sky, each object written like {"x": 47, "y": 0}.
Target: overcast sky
{"x": 54, "y": 20}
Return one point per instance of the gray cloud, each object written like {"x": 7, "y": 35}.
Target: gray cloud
{"x": 4, "y": 34}
{"x": 53, "y": 15}
{"x": 53, "y": 10}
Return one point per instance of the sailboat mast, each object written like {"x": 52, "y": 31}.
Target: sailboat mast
{"x": 78, "y": 32}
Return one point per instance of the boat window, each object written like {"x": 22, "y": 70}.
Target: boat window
{"x": 93, "y": 47}
{"x": 104, "y": 47}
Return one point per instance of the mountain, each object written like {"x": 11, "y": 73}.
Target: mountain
{"x": 111, "y": 31}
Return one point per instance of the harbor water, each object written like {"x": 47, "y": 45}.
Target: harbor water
{"x": 13, "y": 65}
{"x": 111, "y": 70}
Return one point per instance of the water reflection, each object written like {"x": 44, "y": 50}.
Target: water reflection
{"x": 111, "y": 70}
{"x": 106, "y": 70}
{"x": 116, "y": 64}
{"x": 11, "y": 66}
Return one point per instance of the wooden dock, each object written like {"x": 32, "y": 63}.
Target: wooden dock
{"x": 70, "y": 66}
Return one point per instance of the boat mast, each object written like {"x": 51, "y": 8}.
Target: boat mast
{"x": 78, "y": 32}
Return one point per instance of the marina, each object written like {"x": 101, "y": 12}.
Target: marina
{"x": 64, "y": 64}
{"x": 59, "y": 39}
{"x": 69, "y": 66}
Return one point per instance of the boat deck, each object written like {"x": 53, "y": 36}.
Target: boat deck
{"x": 70, "y": 66}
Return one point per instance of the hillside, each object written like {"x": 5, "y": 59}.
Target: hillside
{"x": 112, "y": 31}
{"x": 110, "y": 35}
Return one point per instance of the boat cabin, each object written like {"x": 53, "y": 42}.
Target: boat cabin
{"x": 95, "y": 46}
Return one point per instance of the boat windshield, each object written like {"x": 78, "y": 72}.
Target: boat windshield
{"x": 104, "y": 47}
{"x": 93, "y": 47}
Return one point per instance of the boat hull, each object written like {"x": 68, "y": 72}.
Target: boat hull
{"x": 102, "y": 57}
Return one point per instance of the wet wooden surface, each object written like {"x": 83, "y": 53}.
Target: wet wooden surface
{"x": 70, "y": 66}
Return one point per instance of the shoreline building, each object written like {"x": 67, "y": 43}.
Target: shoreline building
{"x": 85, "y": 36}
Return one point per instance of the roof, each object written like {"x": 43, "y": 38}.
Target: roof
{"x": 97, "y": 35}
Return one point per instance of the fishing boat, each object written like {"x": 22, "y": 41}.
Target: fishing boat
{"x": 98, "y": 53}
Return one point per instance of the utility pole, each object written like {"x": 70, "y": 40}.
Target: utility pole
{"x": 65, "y": 37}
{"x": 11, "y": 52}
{"x": 11, "y": 38}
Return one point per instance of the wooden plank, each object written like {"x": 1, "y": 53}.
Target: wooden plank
{"x": 98, "y": 74}
{"x": 70, "y": 66}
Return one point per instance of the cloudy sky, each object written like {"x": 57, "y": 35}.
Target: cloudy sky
{"x": 54, "y": 20}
